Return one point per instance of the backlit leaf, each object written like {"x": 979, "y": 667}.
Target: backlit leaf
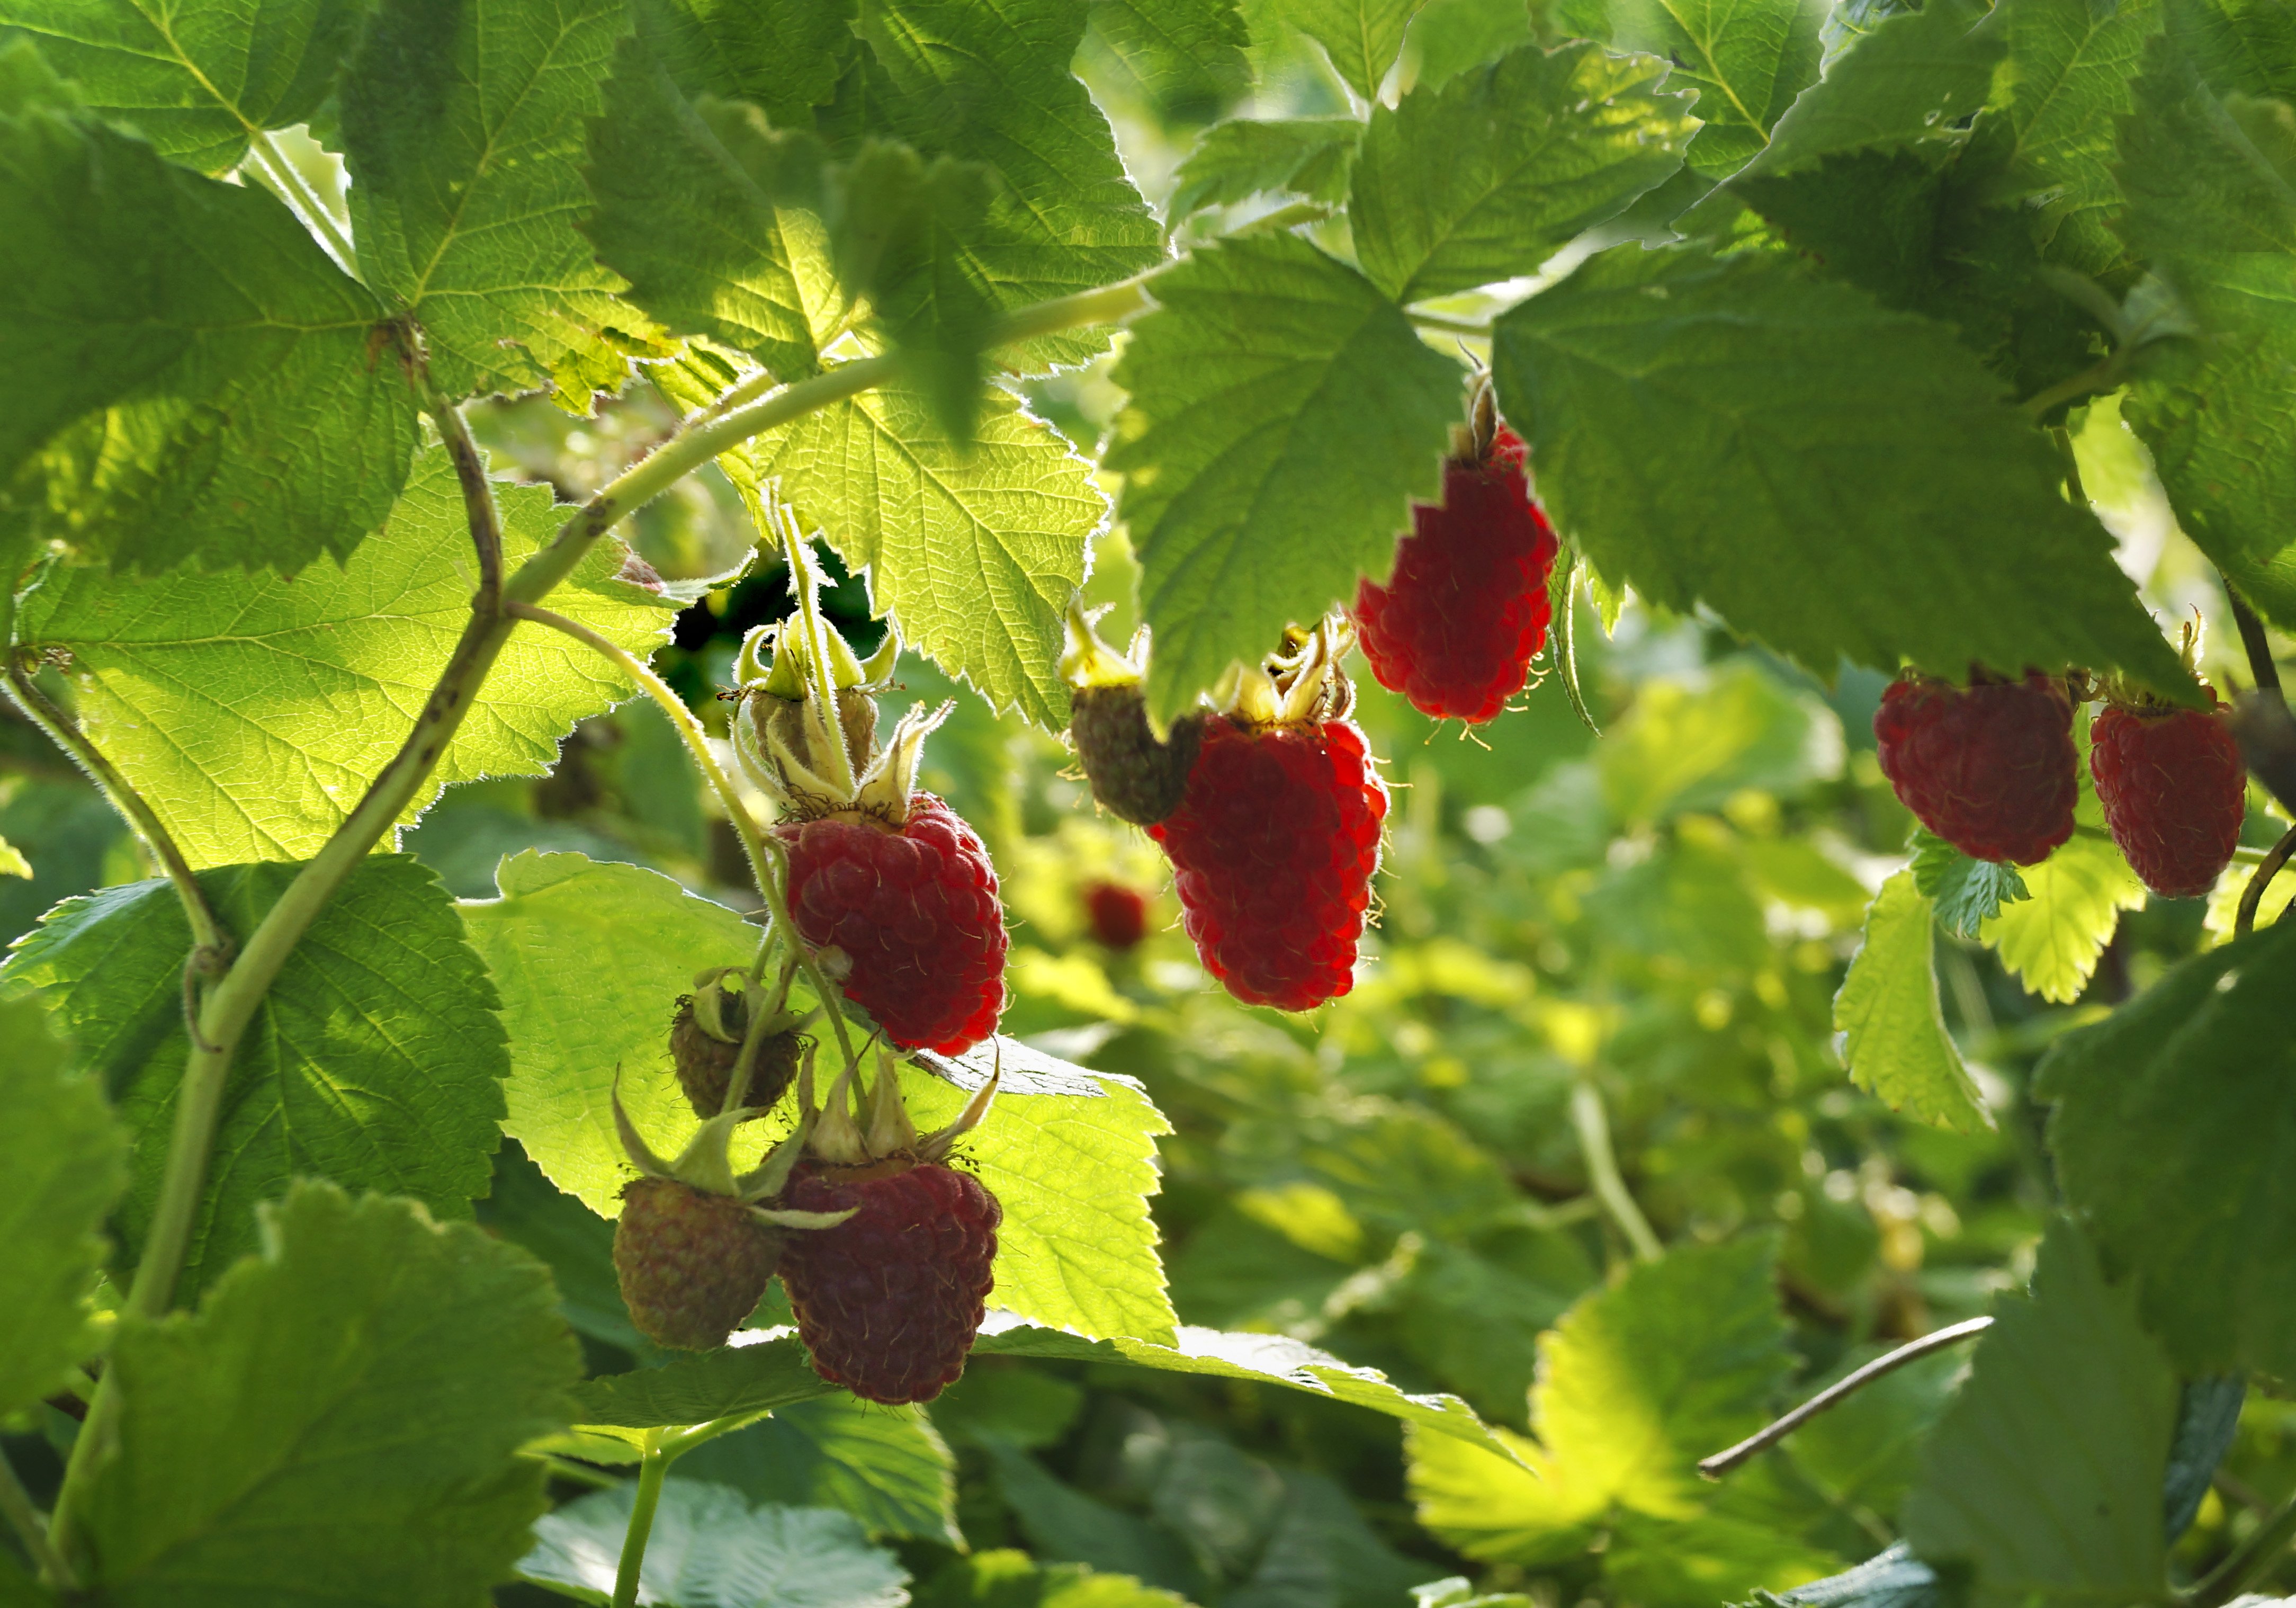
{"x": 1894, "y": 1036}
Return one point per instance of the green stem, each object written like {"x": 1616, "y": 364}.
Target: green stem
{"x": 1594, "y": 1126}
{"x": 16, "y": 1504}
{"x": 2248, "y": 1561}
{"x": 676, "y": 1443}
{"x": 2251, "y": 897}
{"x": 316, "y": 216}
{"x": 207, "y": 932}
{"x": 2102, "y": 375}
{"x": 652, "y": 1467}
{"x": 1450, "y": 326}
{"x": 576, "y": 1473}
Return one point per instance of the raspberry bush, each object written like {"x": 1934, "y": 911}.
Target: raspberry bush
{"x": 616, "y": 994}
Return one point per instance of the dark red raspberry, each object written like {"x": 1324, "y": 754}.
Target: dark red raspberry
{"x": 915, "y": 910}
{"x": 1134, "y": 776}
{"x": 1119, "y": 915}
{"x": 1990, "y": 769}
{"x": 2174, "y": 791}
{"x": 692, "y": 1264}
{"x": 1455, "y": 628}
{"x": 889, "y": 1300}
{"x": 1275, "y": 845}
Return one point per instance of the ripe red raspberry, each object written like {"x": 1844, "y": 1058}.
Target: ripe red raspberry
{"x": 1119, "y": 915}
{"x": 1990, "y": 769}
{"x": 692, "y": 1264}
{"x": 2174, "y": 793}
{"x": 1274, "y": 844}
{"x": 915, "y": 910}
{"x": 889, "y": 1300}
{"x": 1455, "y": 628}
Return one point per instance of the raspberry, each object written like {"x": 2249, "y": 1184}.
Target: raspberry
{"x": 1119, "y": 915}
{"x": 915, "y": 910}
{"x": 2174, "y": 791}
{"x": 889, "y": 1300}
{"x": 1134, "y": 776}
{"x": 705, "y": 1064}
{"x": 1990, "y": 769}
{"x": 692, "y": 1264}
{"x": 1455, "y": 628}
{"x": 1275, "y": 845}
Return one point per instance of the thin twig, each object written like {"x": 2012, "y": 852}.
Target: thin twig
{"x": 208, "y": 934}
{"x": 2261, "y": 668}
{"x": 1594, "y": 1126}
{"x": 16, "y": 1504}
{"x": 2251, "y": 897}
{"x": 1762, "y": 1440}
{"x": 2261, "y": 719}
{"x": 479, "y": 507}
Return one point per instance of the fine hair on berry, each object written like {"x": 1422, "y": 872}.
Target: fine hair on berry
{"x": 2174, "y": 790}
{"x": 1273, "y": 849}
{"x": 914, "y": 911}
{"x": 1990, "y": 767}
{"x": 889, "y": 1301}
{"x": 692, "y": 1264}
{"x": 1455, "y": 628}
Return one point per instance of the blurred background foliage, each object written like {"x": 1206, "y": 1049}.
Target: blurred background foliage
{"x": 1640, "y": 934}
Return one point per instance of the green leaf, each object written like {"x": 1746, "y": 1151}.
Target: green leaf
{"x": 64, "y": 1164}
{"x": 689, "y": 211}
{"x": 1363, "y": 37}
{"x": 1892, "y": 1578}
{"x": 885, "y": 1466}
{"x": 1007, "y": 1579}
{"x": 462, "y": 125}
{"x": 1311, "y": 157}
{"x": 1747, "y": 59}
{"x": 1186, "y": 55}
{"x": 1696, "y": 1562}
{"x": 1894, "y": 1034}
{"x": 903, "y": 232}
{"x": 196, "y": 80}
{"x": 2210, "y": 181}
{"x": 1967, "y": 893}
{"x": 1077, "y": 1249}
{"x": 590, "y": 959}
{"x": 2070, "y": 67}
{"x": 12, "y": 862}
{"x": 1918, "y": 76}
{"x": 1690, "y": 743}
{"x": 251, "y": 713}
{"x": 2173, "y": 1135}
{"x": 214, "y": 377}
{"x": 1637, "y": 1382}
{"x": 1842, "y": 480}
{"x": 1487, "y": 177}
{"x": 340, "y": 1422}
{"x": 752, "y": 1378}
{"x": 1283, "y": 415}
{"x": 991, "y": 84}
{"x": 785, "y": 56}
{"x": 375, "y": 1059}
{"x": 2043, "y": 1480}
{"x": 710, "y": 1548}
{"x": 2051, "y": 941}
{"x": 973, "y": 554}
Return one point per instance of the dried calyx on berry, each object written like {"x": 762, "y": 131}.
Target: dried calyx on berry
{"x": 1275, "y": 842}
{"x": 2172, "y": 782}
{"x": 693, "y": 1248}
{"x": 889, "y": 886}
{"x": 1136, "y": 775}
{"x": 889, "y": 1301}
{"x": 712, "y": 1032}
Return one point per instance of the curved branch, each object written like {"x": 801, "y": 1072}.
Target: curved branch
{"x": 2251, "y": 897}
{"x": 1762, "y": 1440}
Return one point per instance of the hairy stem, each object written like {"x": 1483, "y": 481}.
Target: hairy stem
{"x": 2247, "y": 1561}
{"x": 207, "y": 932}
{"x": 304, "y": 201}
{"x": 1594, "y": 1126}
{"x": 16, "y": 1504}
{"x": 652, "y": 1467}
{"x": 1762, "y": 1440}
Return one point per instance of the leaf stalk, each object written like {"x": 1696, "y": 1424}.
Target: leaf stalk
{"x": 652, "y": 1467}
{"x": 1834, "y": 1395}
{"x": 16, "y": 1503}
{"x": 1593, "y": 1124}
{"x": 2248, "y": 1561}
